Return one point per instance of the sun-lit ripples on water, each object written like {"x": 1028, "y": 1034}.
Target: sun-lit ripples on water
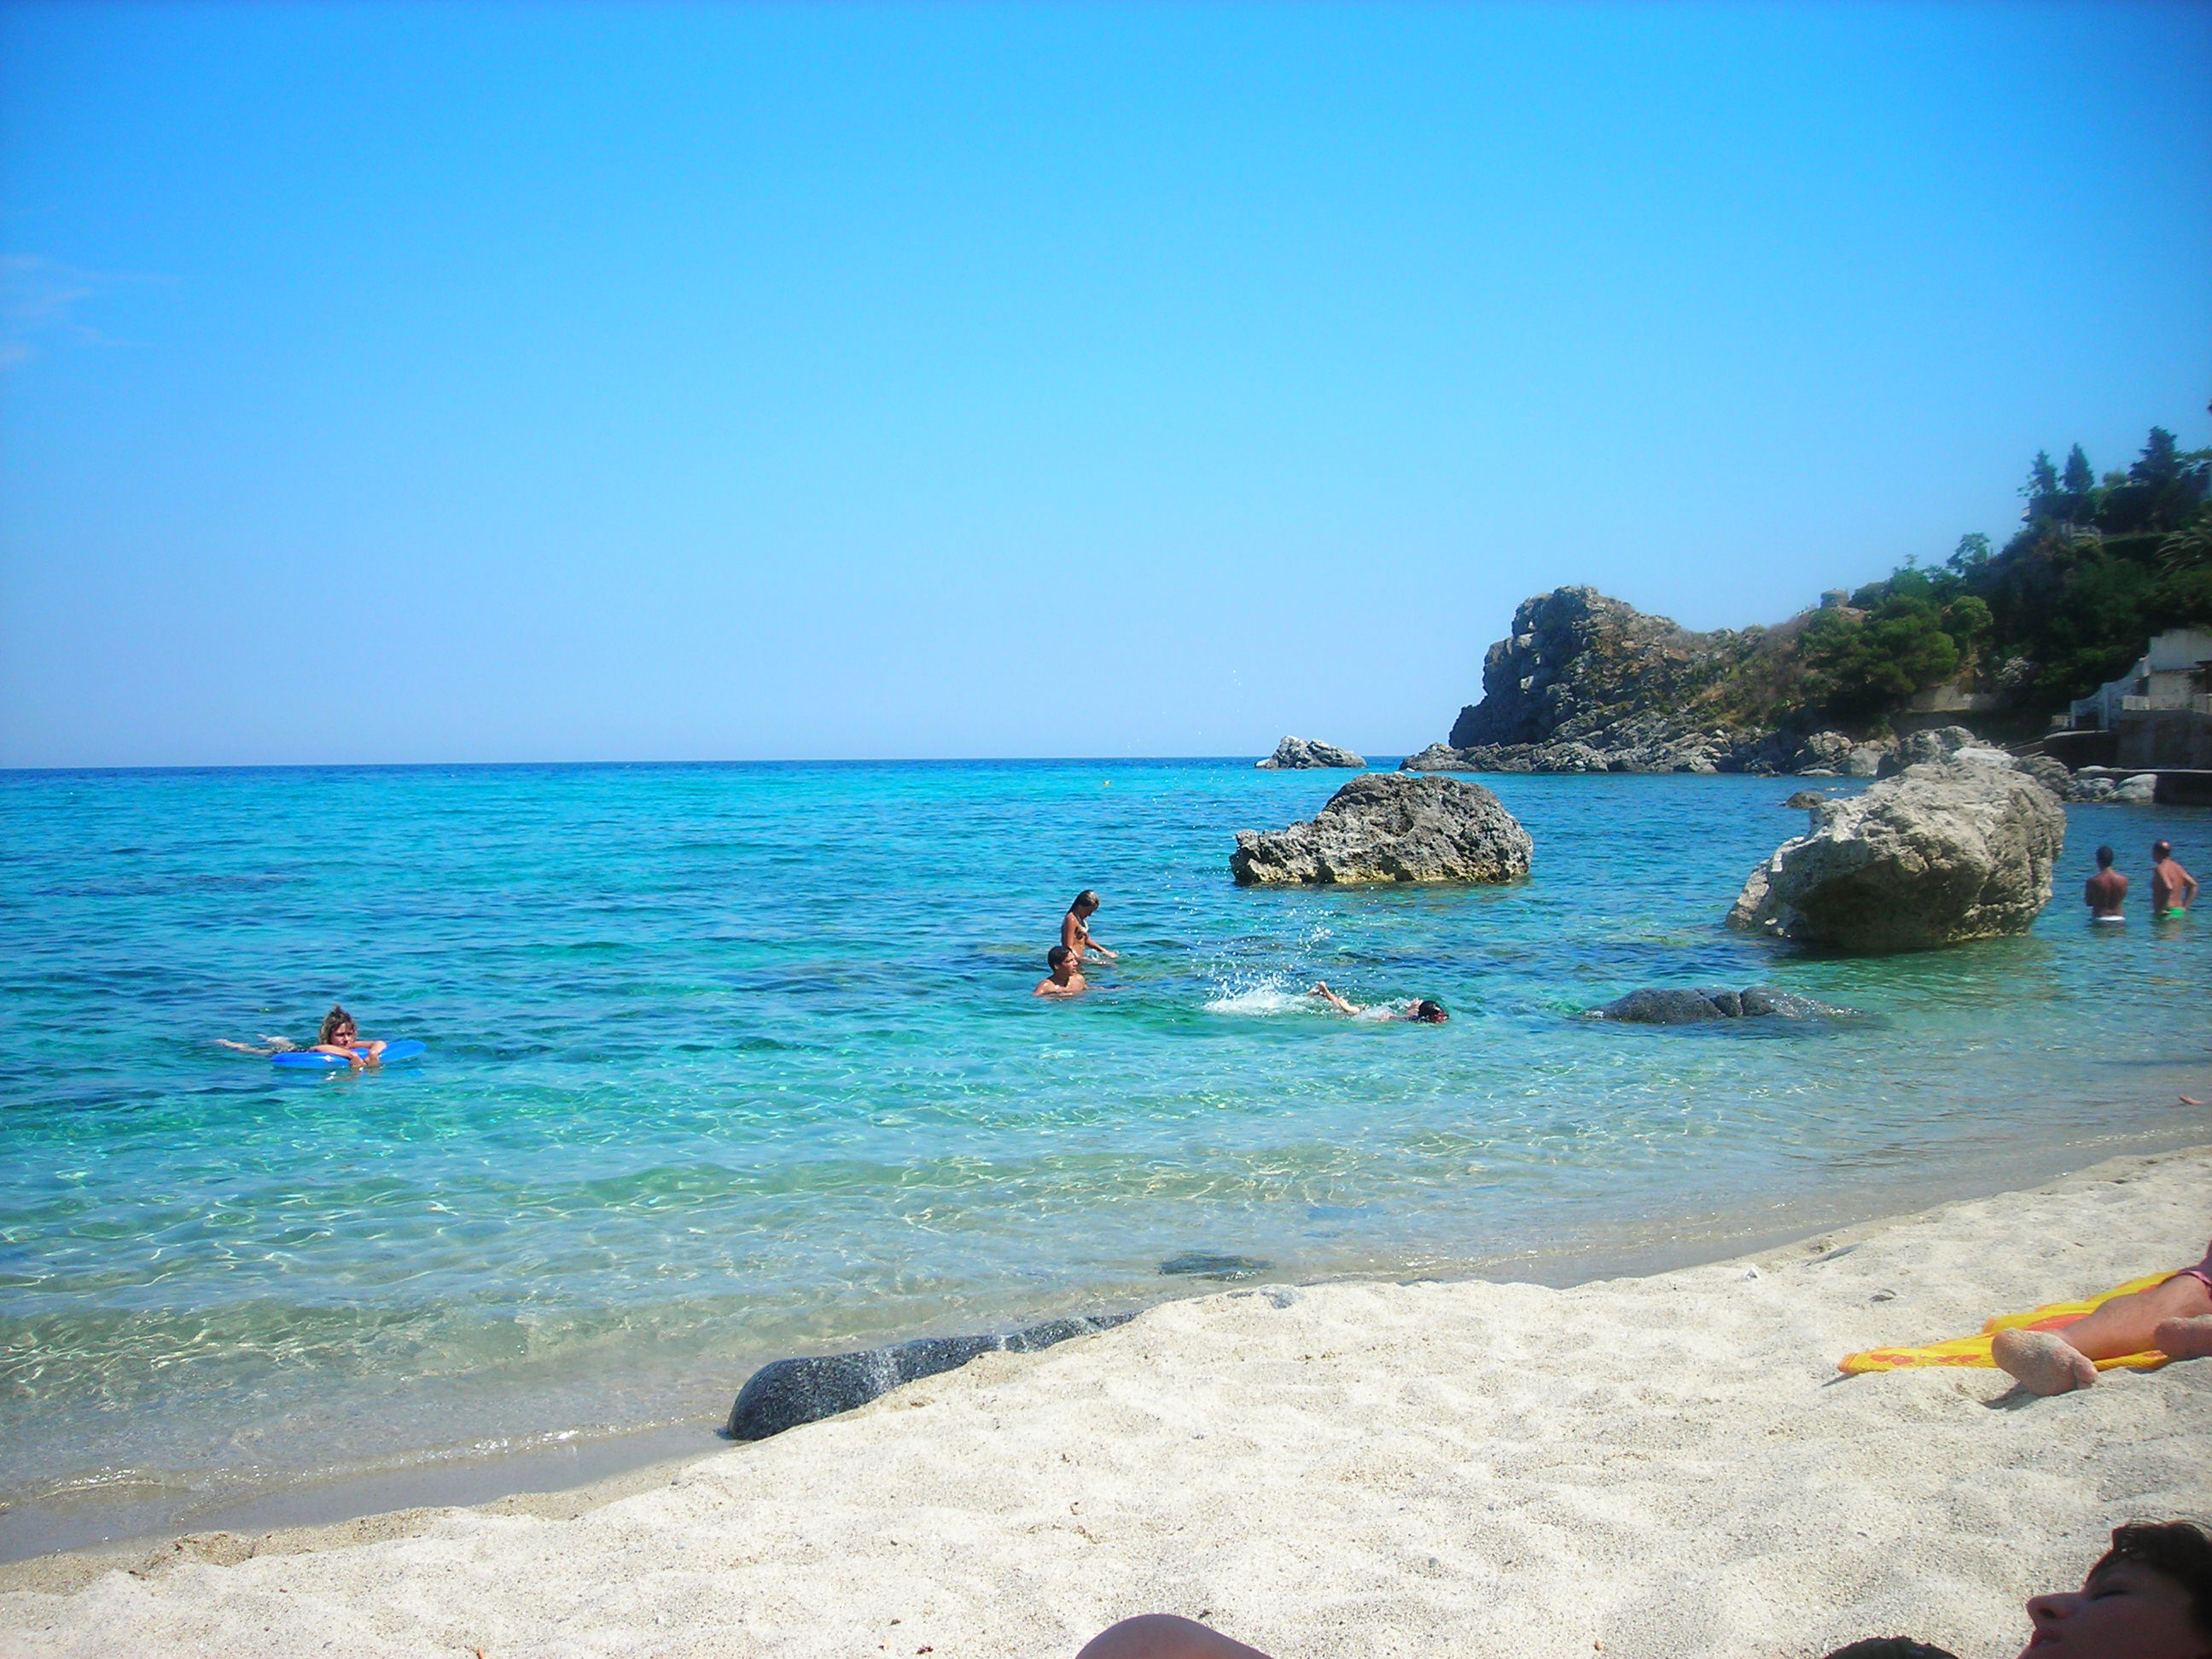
{"x": 729, "y": 1061}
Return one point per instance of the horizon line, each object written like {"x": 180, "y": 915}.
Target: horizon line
{"x": 411, "y": 766}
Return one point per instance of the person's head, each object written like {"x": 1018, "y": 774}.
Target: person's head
{"x": 1430, "y": 1013}
{"x": 1892, "y": 1647}
{"x": 2160, "y": 851}
{"x": 2148, "y": 1597}
{"x": 1060, "y": 960}
{"x": 1086, "y": 902}
{"x": 2104, "y": 857}
{"x": 338, "y": 1026}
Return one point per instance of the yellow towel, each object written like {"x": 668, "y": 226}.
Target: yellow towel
{"x": 1975, "y": 1350}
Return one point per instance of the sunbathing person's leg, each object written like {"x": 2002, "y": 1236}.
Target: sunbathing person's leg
{"x": 1164, "y": 1635}
{"x": 2057, "y": 1362}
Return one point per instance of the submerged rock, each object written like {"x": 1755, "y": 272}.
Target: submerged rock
{"x": 1654, "y": 1006}
{"x": 1197, "y": 1264}
{"x": 787, "y": 1393}
{"x": 1299, "y": 755}
{"x": 1390, "y": 826}
{"x": 1944, "y": 852}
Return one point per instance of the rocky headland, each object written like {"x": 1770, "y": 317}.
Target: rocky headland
{"x": 1588, "y": 684}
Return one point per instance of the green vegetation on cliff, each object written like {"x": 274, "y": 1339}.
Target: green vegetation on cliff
{"x": 2096, "y": 567}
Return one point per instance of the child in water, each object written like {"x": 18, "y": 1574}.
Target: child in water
{"x": 337, "y": 1034}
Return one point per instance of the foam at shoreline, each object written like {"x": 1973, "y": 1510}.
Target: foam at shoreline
{"x": 1668, "y": 1465}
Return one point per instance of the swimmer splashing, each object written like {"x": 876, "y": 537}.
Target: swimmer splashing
{"x": 1423, "y": 1012}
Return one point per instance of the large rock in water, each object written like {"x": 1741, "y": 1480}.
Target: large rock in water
{"x": 1945, "y": 851}
{"x": 1298, "y": 754}
{"x": 1390, "y": 826}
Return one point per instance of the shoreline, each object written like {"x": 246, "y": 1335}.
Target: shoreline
{"x": 568, "y": 1470}
{"x": 1370, "y": 1342}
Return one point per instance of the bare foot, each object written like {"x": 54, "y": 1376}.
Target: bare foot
{"x": 2041, "y": 1363}
{"x": 2185, "y": 1339}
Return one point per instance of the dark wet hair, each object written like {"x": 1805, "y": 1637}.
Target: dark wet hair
{"x": 1892, "y": 1647}
{"x": 1433, "y": 1012}
{"x": 1088, "y": 895}
{"x": 335, "y": 1021}
{"x": 2177, "y": 1549}
{"x": 2104, "y": 856}
{"x": 2162, "y": 849}
{"x": 1057, "y": 955}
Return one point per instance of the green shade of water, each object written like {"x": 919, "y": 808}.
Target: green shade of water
{"x": 727, "y": 1062}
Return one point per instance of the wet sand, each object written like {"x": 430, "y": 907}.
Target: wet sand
{"x": 1666, "y": 1465}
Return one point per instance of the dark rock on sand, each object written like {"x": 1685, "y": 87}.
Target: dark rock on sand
{"x": 1390, "y": 826}
{"x": 1945, "y": 851}
{"x": 1197, "y": 1264}
{"x": 1299, "y": 755}
{"x": 1653, "y": 1006}
{"x": 787, "y": 1393}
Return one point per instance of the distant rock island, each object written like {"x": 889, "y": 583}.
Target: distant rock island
{"x": 1299, "y": 755}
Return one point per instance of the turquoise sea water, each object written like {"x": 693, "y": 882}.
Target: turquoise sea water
{"x": 732, "y": 1061}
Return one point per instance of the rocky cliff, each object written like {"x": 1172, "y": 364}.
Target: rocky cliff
{"x": 1586, "y": 683}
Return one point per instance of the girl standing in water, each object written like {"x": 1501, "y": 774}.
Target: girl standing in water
{"x": 1075, "y": 928}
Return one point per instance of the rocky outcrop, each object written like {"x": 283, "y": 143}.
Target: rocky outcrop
{"x": 1587, "y": 684}
{"x": 1390, "y": 826}
{"x": 1577, "y": 664}
{"x": 1945, "y": 851}
{"x": 1653, "y": 1006}
{"x": 787, "y": 1393}
{"x": 1298, "y": 754}
{"x": 2051, "y": 774}
{"x": 1936, "y": 742}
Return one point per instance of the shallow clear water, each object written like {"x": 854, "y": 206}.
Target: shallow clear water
{"x": 729, "y": 1061}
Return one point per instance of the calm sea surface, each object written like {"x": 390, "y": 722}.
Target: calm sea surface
{"x": 732, "y": 1061}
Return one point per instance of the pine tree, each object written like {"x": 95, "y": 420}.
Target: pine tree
{"x": 2079, "y": 480}
{"x": 2042, "y": 485}
{"x": 2160, "y": 463}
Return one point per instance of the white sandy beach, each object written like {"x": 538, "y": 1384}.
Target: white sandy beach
{"x": 1665, "y": 1466}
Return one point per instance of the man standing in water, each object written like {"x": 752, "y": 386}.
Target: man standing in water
{"x": 2106, "y": 889}
{"x": 2173, "y": 889}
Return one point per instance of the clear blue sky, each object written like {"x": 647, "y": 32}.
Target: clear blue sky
{"x": 435, "y": 383}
